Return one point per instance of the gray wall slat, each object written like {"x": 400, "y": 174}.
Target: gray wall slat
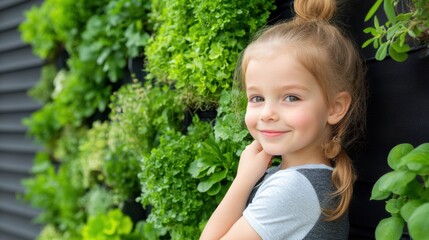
{"x": 10, "y": 39}
{"x": 12, "y": 16}
{"x": 12, "y": 122}
{"x": 18, "y": 59}
{"x": 9, "y": 236}
{"x": 16, "y": 162}
{"x": 11, "y": 182}
{"x": 10, "y": 142}
{"x": 13, "y": 224}
{"x": 9, "y": 204}
{"x": 19, "y": 80}
{"x": 19, "y": 71}
{"x": 9, "y": 3}
{"x": 17, "y": 101}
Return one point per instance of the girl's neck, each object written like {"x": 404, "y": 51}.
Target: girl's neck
{"x": 293, "y": 161}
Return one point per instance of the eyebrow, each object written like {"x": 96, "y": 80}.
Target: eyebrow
{"x": 283, "y": 88}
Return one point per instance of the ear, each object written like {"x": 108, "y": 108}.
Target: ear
{"x": 339, "y": 107}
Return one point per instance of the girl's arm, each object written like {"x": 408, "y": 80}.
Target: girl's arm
{"x": 227, "y": 222}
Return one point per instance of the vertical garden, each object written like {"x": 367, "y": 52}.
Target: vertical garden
{"x": 141, "y": 125}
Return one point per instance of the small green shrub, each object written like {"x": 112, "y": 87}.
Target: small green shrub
{"x": 176, "y": 204}
{"x": 407, "y": 189}
{"x": 144, "y": 113}
{"x": 55, "y": 24}
{"x": 392, "y": 36}
{"x": 217, "y": 159}
{"x": 196, "y": 45}
{"x": 121, "y": 165}
{"x": 119, "y": 33}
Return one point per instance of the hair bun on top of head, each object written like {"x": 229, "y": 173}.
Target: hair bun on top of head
{"x": 310, "y": 10}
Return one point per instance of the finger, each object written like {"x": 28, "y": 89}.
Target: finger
{"x": 257, "y": 146}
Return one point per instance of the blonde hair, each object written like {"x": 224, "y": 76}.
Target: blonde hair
{"x": 333, "y": 59}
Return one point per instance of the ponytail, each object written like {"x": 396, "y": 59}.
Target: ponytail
{"x": 343, "y": 178}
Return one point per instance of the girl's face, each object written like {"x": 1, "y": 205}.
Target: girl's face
{"x": 286, "y": 111}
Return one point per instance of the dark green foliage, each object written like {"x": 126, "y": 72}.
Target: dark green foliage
{"x": 177, "y": 205}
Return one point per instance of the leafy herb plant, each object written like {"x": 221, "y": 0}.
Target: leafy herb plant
{"x": 407, "y": 189}
{"x": 405, "y": 19}
{"x": 176, "y": 204}
{"x": 215, "y": 165}
{"x": 196, "y": 45}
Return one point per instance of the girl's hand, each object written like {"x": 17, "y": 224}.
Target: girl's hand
{"x": 254, "y": 161}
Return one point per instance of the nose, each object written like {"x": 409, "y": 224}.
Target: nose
{"x": 269, "y": 112}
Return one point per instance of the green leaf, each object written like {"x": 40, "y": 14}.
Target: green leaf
{"x": 395, "y": 180}
{"x": 393, "y": 206}
{"x": 418, "y": 223}
{"x": 389, "y": 9}
{"x": 367, "y": 42}
{"x": 419, "y": 155}
{"x": 395, "y": 155}
{"x": 381, "y": 52}
{"x": 125, "y": 225}
{"x": 376, "y": 22}
{"x": 219, "y": 176}
{"x": 397, "y": 56}
{"x": 389, "y": 228}
{"x": 412, "y": 189}
{"x": 373, "y": 9}
{"x": 400, "y": 46}
{"x": 205, "y": 186}
{"x": 408, "y": 209}
{"x": 196, "y": 167}
{"x": 377, "y": 193}
{"x": 371, "y": 30}
{"x": 215, "y": 189}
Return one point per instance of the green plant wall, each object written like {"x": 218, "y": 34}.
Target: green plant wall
{"x": 109, "y": 141}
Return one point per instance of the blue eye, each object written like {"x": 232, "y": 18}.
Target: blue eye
{"x": 291, "y": 98}
{"x": 257, "y": 99}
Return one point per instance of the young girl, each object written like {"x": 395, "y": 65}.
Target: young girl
{"x": 304, "y": 82}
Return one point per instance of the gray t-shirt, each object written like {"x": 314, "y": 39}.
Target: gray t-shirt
{"x": 288, "y": 205}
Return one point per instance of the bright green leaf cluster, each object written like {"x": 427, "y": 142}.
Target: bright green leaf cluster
{"x": 391, "y": 37}
{"x": 407, "y": 188}
{"x": 57, "y": 23}
{"x": 197, "y": 44}
{"x": 114, "y": 225}
{"x": 177, "y": 205}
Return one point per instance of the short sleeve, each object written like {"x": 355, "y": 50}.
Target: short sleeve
{"x": 285, "y": 207}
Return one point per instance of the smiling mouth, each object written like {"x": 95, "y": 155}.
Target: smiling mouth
{"x": 273, "y": 133}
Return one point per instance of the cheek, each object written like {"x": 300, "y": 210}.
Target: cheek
{"x": 251, "y": 119}
{"x": 307, "y": 121}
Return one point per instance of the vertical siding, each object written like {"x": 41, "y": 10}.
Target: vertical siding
{"x": 19, "y": 71}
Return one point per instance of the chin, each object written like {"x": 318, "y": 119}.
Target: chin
{"x": 273, "y": 151}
